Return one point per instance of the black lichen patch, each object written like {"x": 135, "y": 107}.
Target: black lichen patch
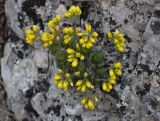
{"x": 144, "y": 91}
{"x": 125, "y": 21}
{"x": 29, "y": 93}
{"x": 20, "y": 54}
{"x": 21, "y": 20}
{"x": 145, "y": 68}
{"x": 122, "y": 110}
{"x": 42, "y": 70}
{"x": 31, "y": 110}
{"x": 154, "y": 104}
{"x": 31, "y": 12}
{"x": 112, "y": 22}
{"x": 85, "y": 9}
{"x": 25, "y": 119}
{"x": 157, "y": 13}
{"x": 13, "y": 37}
{"x": 128, "y": 39}
{"x": 43, "y": 85}
{"x": 55, "y": 109}
{"x": 114, "y": 94}
{"x": 63, "y": 118}
{"x": 78, "y": 118}
{"x": 155, "y": 26}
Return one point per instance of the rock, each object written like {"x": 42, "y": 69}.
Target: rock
{"x": 27, "y": 72}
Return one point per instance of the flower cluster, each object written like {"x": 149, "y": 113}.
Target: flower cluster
{"x": 31, "y": 34}
{"x": 113, "y": 72}
{"x": 87, "y": 38}
{"x": 69, "y": 34}
{"x": 48, "y": 37}
{"x": 81, "y": 63}
{"x": 73, "y": 11}
{"x": 83, "y": 84}
{"x": 118, "y": 40}
{"x": 62, "y": 80}
{"x": 89, "y": 103}
{"x": 74, "y": 56}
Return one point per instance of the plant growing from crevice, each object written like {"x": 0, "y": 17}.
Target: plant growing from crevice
{"x": 80, "y": 63}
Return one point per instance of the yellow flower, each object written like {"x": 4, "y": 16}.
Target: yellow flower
{"x": 87, "y": 38}
{"x": 83, "y": 88}
{"x": 79, "y": 82}
{"x": 111, "y": 81}
{"x": 57, "y": 77}
{"x": 73, "y": 57}
{"x": 31, "y": 34}
{"x": 88, "y": 103}
{"x": 35, "y": 28}
{"x": 89, "y": 85}
{"x": 88, "y": 28}
{"x": 73, "y": 11}
{"x": 67, "y": 75}
{"x": 60, "y": 84}
{"x": 70, "y": 51}
{"x": 118, "y": 72}
{"x": 62, "y": 80}
{"x": 75, "y": 63}
{"x": 47, "y": 39}
{"x": 117, "y": 65}
{"x": 109, "y": 35}
{"x": 106, "y": 87}
{"x": 111, "y": 73}
{"x": 91, "y": 104}
{"x": 84, "y": 100}
{"x": 118, "y": 40}
{"x": 77, "y": 73}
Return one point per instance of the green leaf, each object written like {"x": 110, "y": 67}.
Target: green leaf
{"x": 100, "y": 71}
{"x": 86, "y": 52}
{"x": 98, "y": 57}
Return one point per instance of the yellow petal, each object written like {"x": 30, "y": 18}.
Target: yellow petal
{"x": 83, "y": 88}
{"x": 35, "y": 28}
{"x": 70, "y": 51}
{"x": 65, "y": 84}
{"x": 109, "y": 35}
{"x": 91, "y": 104}
{"x": 82, "y": 57}
{"x": 92, "y": 39}
{"x": 68, "y": 15}
{"x": 67, "y": 75}
{"x": 84, "y": 100}
{"x": 77, "y": 73}
{"x": 58, "y": 18}
{"x": 57, "y": 77}
{"x": 117, "y": 65}
{"x": 116, "y": 41}
{"x": 94, "y": 34}
{"x": 88, "y": 28}
{"x": 82, "y": 40}
{"x": 109, "y": 86}
{"x": 111, "y": 72}
{"x": 60, "y": 85}
{"x": 29, "y": 31}
{"x": 79, "y": 82}
{"x": 75, "y": 63}
{"x": 118, "y": 72}
{"x": 104, "y": 86}
{"x": 89, "y": 85}
{"x": 78, "y": 55}
{"x": 111, "y": 81}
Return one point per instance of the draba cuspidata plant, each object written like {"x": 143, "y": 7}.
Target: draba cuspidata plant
{"x": 78, "y": 59}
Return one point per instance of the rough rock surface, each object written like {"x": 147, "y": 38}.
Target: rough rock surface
{"x": 27, "y": 72}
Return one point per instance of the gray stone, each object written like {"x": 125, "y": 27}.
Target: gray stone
{"x": 31, "y": 93}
